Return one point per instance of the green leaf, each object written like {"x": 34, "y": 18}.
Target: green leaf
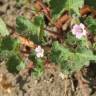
{"x": 68, "y": 61}
{"x": 3, "y": 29}
{"x": 33, "y": 30}
{"x": 12, "y": 63}
{"x": 57, "y": 10}
{"x": 39, "y": 69}
{"x": 39, "y": 64}
{"x": 58, "y": 7}
{"x": 8, "y": 48}
{"x": 21, "y": 66}
{"x": 39, "y": 23}
{"x": 74, "y": 44}
{"x": 91, "y": 24}
{"x": 5, "y": 55}
{"x": 23, "y": 24}
{"x": 74, "y": 5}
{"x": 91, "y": 3}
{"x": 10, "y": 44}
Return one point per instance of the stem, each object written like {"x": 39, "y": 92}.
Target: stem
{"x": 53, "y": 33}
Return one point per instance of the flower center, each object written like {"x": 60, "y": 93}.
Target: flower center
{"x": 79, "y": 30}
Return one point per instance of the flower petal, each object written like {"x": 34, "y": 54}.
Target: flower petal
{"x": 82, "y": 26}
{"x": 79, "y": 30}
{"x": 79, "y": 36}
{"x": 84, "y": 32}
{"x": 39, "y": 51}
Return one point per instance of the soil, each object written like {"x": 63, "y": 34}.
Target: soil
{"x": 52, "y": 82}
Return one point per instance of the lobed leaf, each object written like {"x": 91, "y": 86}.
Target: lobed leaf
{"x": 58, "y": 7}
{"x": 68, "y": 61}
{"x": 33, "y": 30}
{"x": 3, "y": 29}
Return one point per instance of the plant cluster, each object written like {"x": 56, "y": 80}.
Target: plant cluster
{"x": 62, "y": 32}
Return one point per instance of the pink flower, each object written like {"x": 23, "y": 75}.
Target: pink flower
{"x": 39, "y": 51}
{"x": 79, "y": 30}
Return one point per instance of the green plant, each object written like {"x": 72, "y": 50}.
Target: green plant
{"x": 3, "y": 29}
{"x": 72, "y": 6}
{"x": 69, "y": 61}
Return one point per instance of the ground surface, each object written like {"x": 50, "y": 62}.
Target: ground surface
{"x": 51, "y": 83}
